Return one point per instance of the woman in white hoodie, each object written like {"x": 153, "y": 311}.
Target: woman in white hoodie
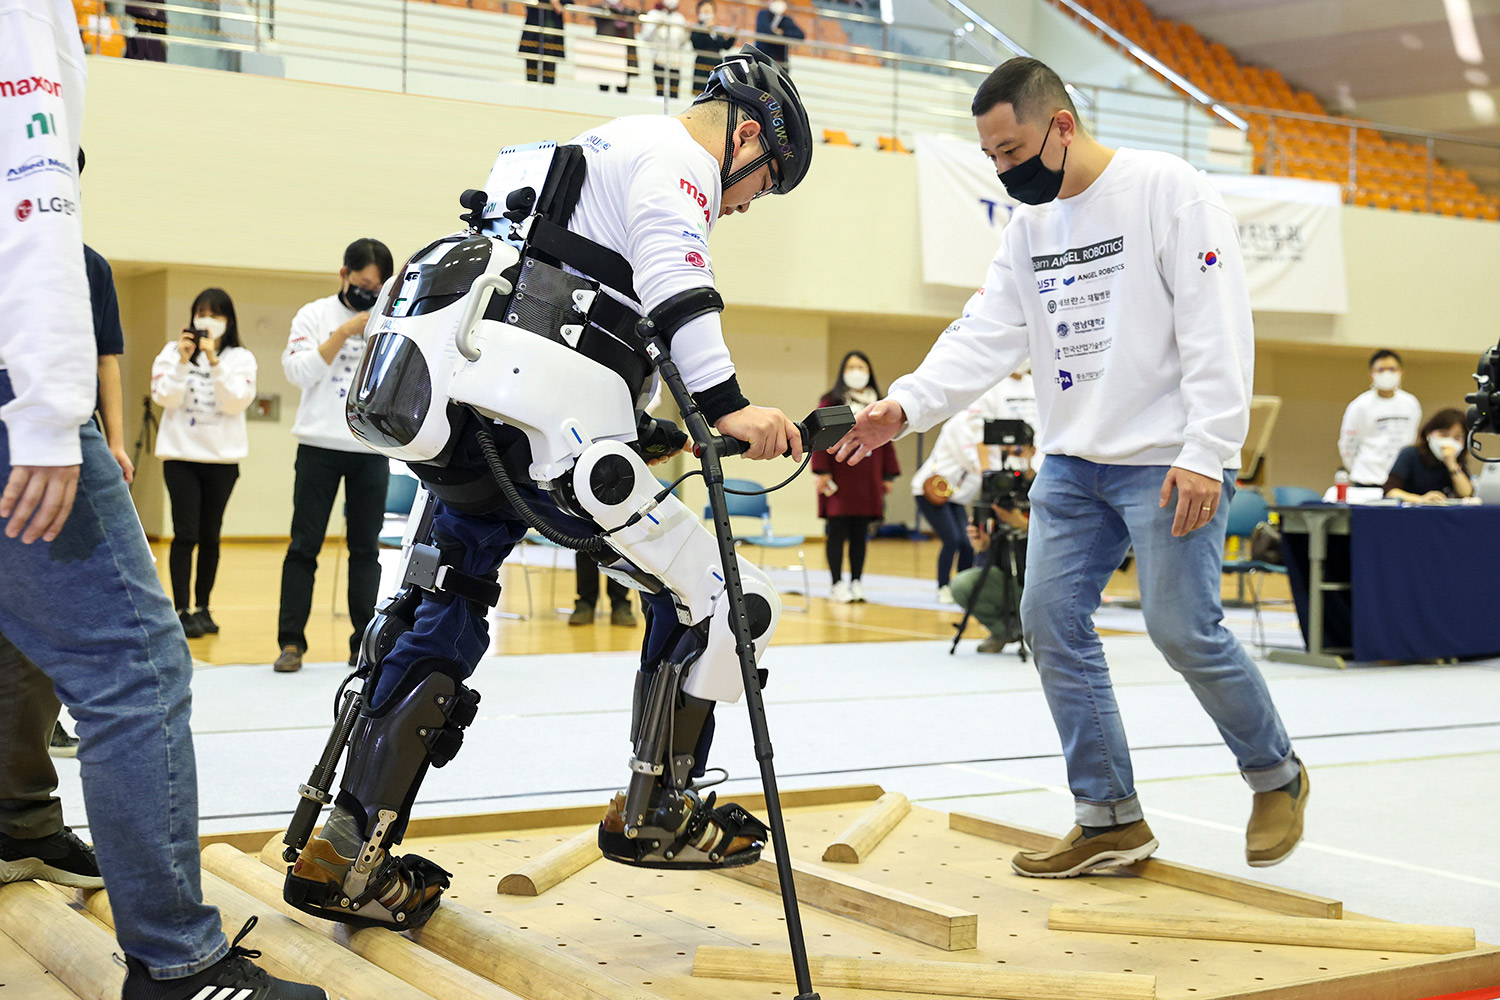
{"x": 664, "y": 33}
{"x": 204, "y": 381}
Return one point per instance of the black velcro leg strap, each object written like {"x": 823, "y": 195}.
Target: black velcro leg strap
{"x": 474, "y": 589}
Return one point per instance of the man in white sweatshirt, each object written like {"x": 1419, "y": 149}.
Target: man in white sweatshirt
{"x": 1378, "y": 423}
{"x": 1121, "y": 274}
{"x": 323, "y": 354}
{"x": 71, "y": 540}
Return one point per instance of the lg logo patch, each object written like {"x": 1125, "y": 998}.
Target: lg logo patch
{"x": 23, "y": 210}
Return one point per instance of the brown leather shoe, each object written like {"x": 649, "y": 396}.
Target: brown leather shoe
{"x": 583, "y": 614}
{"x": 289, "y": 662}
{"x": 1275, "y": 824}
{"x": 1076, "y": 854}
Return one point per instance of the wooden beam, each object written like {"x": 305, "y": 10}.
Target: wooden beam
{"x": 1241, "y": 890}
{"x": 525, "y": 962}
{"x": 27, "y": 979}
{"x": 862, "y": 836}
{"x": 1310, "y": 931}
{"x": 938, "y": 924}
{"x": 964, "y": 979}
{"x": 289, "y": 950}
{"x": 79, "y": 954}
{"x": 1426, "y": 978}
{"x": 563, "y": 861}
{"x": 250, "y": 841}
{"x": 396, "y": 954}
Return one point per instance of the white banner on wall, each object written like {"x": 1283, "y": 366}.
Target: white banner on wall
{"x": 1290, "y": 230}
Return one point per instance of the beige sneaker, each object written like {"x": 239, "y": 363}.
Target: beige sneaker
{"x": 1077, "y": 854}
{"x": 289, "y": 662}
{"x": 1275, "y": 824}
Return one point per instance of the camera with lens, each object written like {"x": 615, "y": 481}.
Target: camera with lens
{"x": 1484, "y": 401}
{"x": 1005, "y": 488}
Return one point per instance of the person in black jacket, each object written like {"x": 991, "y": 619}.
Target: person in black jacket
{"x": 773, "y": 20}
{"x": 619, "y": 23}
{"x": 708, "y": 45}
{"x": 546, "y": 44}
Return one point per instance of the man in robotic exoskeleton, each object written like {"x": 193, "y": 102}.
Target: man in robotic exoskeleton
{"x": 506, "y": 367}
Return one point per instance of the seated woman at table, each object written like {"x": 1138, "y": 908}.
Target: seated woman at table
{"x": 1432, "y": 470}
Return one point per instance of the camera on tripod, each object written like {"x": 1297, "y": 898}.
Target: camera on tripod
{"x": 1484, "y": 402}
{"x": 1005, "y": 488}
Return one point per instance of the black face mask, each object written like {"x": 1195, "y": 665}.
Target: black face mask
{"x": 1031, "y": 182}
{"x": 359, "y": 299}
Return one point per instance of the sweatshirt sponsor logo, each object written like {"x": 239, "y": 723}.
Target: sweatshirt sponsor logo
{"x": 30, "y": 85}
{"x": 43, "y": 206}
{"x": 1208, "y": 259}
{"x": 1067, "y": 379}
{"x": 1083, "y": 350}
{"x": 697, "y": 196}
{"x": 23, "y": 210}
{"x": 1079, "y": 255}
{"x": 695, "y": 258}
{"x": 38, "y": 165}
{"x": 1078, "y": 301}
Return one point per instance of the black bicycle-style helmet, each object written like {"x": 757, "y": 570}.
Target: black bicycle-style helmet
{"x": 751, "y": 80}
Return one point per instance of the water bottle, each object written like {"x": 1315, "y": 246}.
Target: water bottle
{"x": 1341, "y": 486}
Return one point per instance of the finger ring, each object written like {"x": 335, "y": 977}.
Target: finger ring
{"x": 1208, "y": 506}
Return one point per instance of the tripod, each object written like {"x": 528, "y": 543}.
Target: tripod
{"x": 146, "y": 438}
{"x": 1003, "y": 552}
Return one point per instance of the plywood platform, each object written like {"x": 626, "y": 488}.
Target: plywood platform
{"x": 610, "y": 930}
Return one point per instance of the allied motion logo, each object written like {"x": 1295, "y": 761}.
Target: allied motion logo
{"x": 1208, "y": 259}
{"x": 1064, "y": 379}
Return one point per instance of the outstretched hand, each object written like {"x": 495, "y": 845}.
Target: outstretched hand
{"x": 876, "y": 425}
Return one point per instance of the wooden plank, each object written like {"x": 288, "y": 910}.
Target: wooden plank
{"x": 1427, "y": 980}
{"x": 1241, "y": 890}
{"x": 251, "y": 841}
{"x": 289, "y": 950}
{"x": 27, "y": 979}
{"x": 862, "y": 836}
{"x": 1358, "y": 935}
{"x": 938, "y": 924}
{"x": 79, "y": 954}
{"x": 964, "y": 979}
{"x": 398, "y": 955}
{"x": 563, "y": 861}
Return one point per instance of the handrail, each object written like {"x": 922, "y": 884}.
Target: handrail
{"x": 1360, "y": 123}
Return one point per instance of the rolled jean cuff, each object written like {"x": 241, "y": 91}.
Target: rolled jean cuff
{"x": 1271, "y": 778}
{"x": 191, "y": 968}
{"x": 1087, "y": 813}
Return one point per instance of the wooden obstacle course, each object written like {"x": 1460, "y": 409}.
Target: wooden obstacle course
{"x": 66, "y": 943}
{"x": 864, "y": 834}
{"x": 566, "y": 859}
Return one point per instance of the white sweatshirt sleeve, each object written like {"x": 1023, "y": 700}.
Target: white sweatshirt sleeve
{"x": 46, "y": 327}
{"x": 234, "y": 381}
{"x": 1215, "y": 334}
{"x": 303, "y": 365}
{"x": 981, "y": 347}
{"x": 169, "y": 378}
{"x": 671, "y": 203}
{"x": 1351, "y": 432}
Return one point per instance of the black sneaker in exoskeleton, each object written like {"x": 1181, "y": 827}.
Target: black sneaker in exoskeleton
{"x": 233, "y": 976}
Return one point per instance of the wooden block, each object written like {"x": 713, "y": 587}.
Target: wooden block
{"x": 563, "y": 861}
{"x": 963, "y": 979}
{"x": 537, "y": 819}
{"x": 26, "y": 978}
{"x": 1312, "y": 932}
{"x": 525, "y": 962}
{"x": 396, "y": 954}
{"x": 79, "y": 954}
{"x": 856, "y": 843}
{"x": 289, "y": 950}
{"x": 938, "y": 924}
{"x": 1241, "y": 890}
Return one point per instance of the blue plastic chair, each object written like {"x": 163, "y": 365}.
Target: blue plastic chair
{"x": 400, "y": 494}
{"x": 759, "y": 508}
{"x": 1291, "y": 496}
{"x": 1247, "y": 510}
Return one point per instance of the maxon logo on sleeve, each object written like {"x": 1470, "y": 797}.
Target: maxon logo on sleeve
{"x": 30, "y": 85}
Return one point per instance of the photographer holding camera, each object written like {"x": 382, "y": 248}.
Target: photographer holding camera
{"x": 991, "y": 591}
{"x": 1120, "y": 273}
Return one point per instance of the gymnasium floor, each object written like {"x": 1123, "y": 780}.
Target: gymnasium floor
{"x": 1404, "y": 761}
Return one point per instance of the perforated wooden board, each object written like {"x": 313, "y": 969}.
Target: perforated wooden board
{"x": 643, "y": 926}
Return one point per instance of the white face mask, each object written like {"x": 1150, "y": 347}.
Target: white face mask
{"x": 856, "y": 378}
{"x": 1442, "y": 445}
{"x": 669, "y": 4}
{"x": 214, "y": 326}
{"x": 1387, "y": 380}
{"x": 778, "y": 7}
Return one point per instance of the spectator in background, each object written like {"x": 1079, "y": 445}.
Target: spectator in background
{"x": 109, "y": 339}
{"x": 945, "y": 485}
{"x": 664, "y": 33}
{"x": 619, "y": 24}
{"x": 708, "y": 45}
{"x": 1378, "y": 423}
{"x": 588, "y": 595}
{"x": 204, "y": 381}
{"x": 997, "y": 607}
{"x": 543, "y": 38}
{"x": 323, "y": 352}
{"x": 773, "y": 20}
{"x": 852, "y": 497}
{"x": 1433, "y": 470}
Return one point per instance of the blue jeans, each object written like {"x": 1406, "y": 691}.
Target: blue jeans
{"x": 1084, "y": 516}
{"x": 88, "y": 609}
{"x": 951, "y": 522}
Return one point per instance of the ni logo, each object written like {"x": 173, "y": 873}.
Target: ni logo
{"x": 40, "y": 124}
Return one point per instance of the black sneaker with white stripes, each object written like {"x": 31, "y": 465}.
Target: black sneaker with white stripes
{"x": 233, "y": 977}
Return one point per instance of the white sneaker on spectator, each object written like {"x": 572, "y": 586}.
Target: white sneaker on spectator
{"x": 840, "y": 593}
{"x": 945, "y": 596}
{"x": 857, "y": 591}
